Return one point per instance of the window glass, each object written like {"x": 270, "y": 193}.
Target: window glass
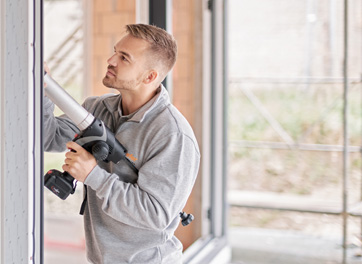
{"x": 63, "y": 53}
{"x": 286, "y": 124}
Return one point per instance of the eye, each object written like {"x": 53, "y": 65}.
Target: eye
{"x": 124, "y": 58}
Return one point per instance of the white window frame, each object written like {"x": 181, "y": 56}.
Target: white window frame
{"x": 21, "y": 185}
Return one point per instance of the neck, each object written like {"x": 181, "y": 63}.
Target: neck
{"x": 132, "y": 101}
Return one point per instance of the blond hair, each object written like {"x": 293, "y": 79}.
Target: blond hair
{"x": 163, "y": 46}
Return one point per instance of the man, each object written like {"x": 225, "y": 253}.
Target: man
{"x": 130, "y": 217}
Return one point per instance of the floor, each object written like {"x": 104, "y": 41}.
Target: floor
{"x": 64, "y": 240}
{"x": 64, "y": 243}
{"x": 256, "y": 246}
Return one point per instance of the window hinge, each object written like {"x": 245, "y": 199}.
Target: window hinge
{"x": 209, "y": 214}
{"x": 209, "y": 4}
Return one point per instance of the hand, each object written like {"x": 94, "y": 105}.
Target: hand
{"x": 78, "y": 162}
{"x": 46, "y": 68}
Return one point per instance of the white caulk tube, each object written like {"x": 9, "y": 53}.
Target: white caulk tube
{"x": 67, "y": 104}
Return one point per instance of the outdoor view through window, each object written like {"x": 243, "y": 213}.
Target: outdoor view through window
{"x": 286, "y": 128}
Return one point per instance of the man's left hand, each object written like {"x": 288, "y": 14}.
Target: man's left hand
{"x": 78, "y": 162}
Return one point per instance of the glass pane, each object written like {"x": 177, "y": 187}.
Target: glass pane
{"x": 63, "y": 42}
{"x": 286, "y": 123}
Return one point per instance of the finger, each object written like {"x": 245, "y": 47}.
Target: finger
{"x": 68, "y": 161}
{"x": 70, "y": 167}
{"x": 46, "y": 68}
{"x": 68, "y": 154}
{"x": 71, "y": 154}
{"x": 74, "y": 146}
{"x": 66, "y": 167}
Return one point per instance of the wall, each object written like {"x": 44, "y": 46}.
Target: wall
{"x": 108, "y": 18}
{"x": 187, "y": 93}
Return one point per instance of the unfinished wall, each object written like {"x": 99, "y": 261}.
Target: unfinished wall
{"x": 108, "y": 18}
{"x": 187, "y": 93}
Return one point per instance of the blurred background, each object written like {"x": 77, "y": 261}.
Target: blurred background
{"x": 289, "y": 179}
{"x": 286, "y": 98}
{"x": 63, "y": 51}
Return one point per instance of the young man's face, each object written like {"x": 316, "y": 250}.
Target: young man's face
{"x": 127, "y": 66}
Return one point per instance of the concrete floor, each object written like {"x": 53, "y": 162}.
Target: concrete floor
{"x": 64, "y": 243}
{"x": 64, "y": 240}
{"x": 256, "y": 246}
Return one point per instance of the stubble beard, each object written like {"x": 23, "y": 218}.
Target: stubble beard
{"x": 117, "y": 84}
{"x": 120, "y": 84}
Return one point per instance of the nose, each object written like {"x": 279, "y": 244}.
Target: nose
{"x": 112, "y": 61}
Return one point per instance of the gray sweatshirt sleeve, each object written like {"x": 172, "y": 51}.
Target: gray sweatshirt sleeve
{"x": 57, "y": 130}
{"x": 164, "y": 184}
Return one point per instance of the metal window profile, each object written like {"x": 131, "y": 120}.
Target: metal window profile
{"x": 37, "y": 137}
{"x": 20, "y": 127}
{"x": 2, "y": 128}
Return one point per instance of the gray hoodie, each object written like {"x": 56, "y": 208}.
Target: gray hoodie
{"x": 131, "y": 218}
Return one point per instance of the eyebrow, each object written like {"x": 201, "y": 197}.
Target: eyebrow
{"x": 124, "y": 53}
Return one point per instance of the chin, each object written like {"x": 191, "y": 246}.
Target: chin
{"x": 107, "y": 83}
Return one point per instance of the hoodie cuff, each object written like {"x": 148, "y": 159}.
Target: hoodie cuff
{"x": 96, "y": 177}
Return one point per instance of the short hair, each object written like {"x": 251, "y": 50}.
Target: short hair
{"x": 162, "y": 44}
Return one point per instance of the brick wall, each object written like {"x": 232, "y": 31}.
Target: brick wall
{"x": 187, "y": 94}
{"x": 108, "y": 20}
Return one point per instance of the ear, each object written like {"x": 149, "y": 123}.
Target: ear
{"x": 151, "y": 76}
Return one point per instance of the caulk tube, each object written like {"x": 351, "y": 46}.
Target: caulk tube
{"x": 67, "y": 104}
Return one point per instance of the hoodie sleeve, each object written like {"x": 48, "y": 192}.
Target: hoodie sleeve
{"x": 164, "y": 183}
{"x": 57, "y": 130}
